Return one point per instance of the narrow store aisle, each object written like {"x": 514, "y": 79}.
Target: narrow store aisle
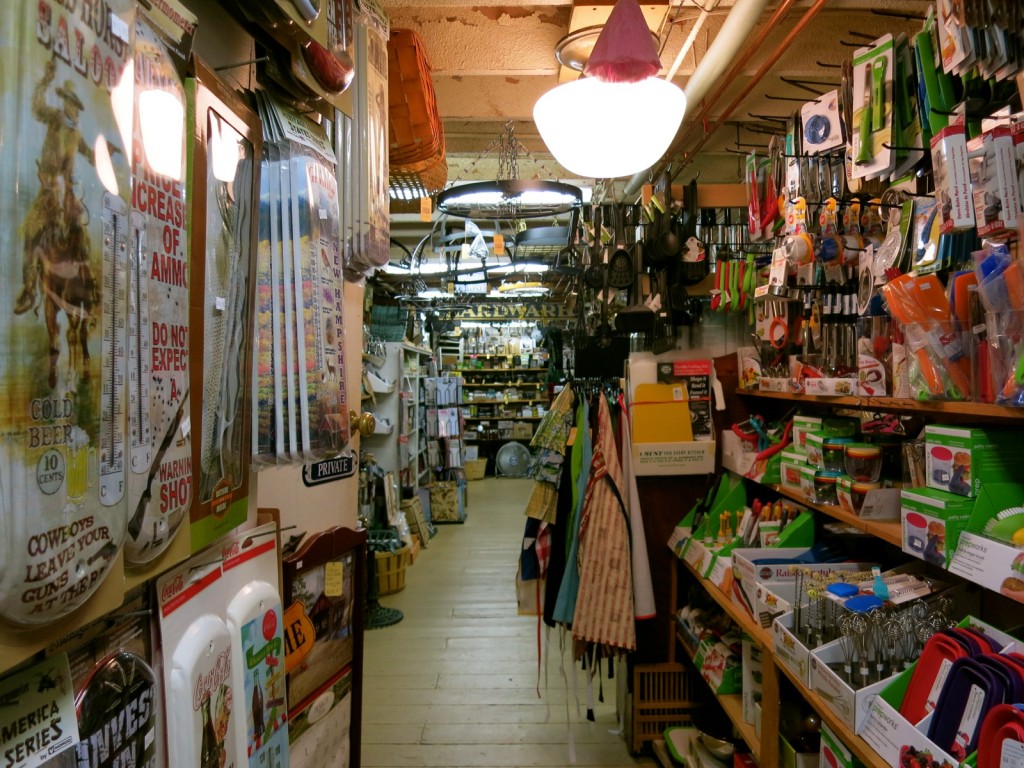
{"x": 453, "y": 684}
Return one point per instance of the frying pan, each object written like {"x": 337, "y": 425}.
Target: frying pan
{"x": 620, "y": 265}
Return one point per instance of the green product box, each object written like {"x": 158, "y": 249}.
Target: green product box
{"x": 801, "y": 426}
{"x": 833, "y": 753}
{"x": 932, "y": 523}
{"x": 960, "y": 459}
{"x": 719, "y": 666}
{"x": 789, "y": 470}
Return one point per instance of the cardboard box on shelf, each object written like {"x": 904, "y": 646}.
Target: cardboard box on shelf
{"x": 748, "y": 572}
{"x": 753, "y": 670}
{"x": 673, "y": 433}
{"x": 961, "y": 459}
{"x": 933, "y": 522}
{"x": 833, "y": 753}
{"x": 985, "y": 553}
{"x": 890, "y": 734}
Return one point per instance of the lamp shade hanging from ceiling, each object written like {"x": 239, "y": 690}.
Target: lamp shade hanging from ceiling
{"x": 640, "y": 113}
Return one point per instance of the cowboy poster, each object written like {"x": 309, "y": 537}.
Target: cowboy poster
{"x": 65, "y": 158}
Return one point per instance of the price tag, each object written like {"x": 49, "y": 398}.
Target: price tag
{"x": 334, "y": 579}
{"x": 426, "y": 209}
{"x": 499, "y": 245}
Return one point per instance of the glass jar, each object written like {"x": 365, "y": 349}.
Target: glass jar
{"x": 833, "y": 453}
{"x": 851, "y": 493}
{"x": 825, "y": 487}
{"x": 863, "y": 461}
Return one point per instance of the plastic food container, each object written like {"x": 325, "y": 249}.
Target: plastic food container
{"x": 851, "y": 493}
{"x": 833, "y": 453}
{"x": 825, "y": 490}
{"x": 815, "y": 443}
{"x": 807, "y": 482}
{"x": 863, "y": 462}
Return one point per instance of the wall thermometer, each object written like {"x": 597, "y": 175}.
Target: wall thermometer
{"x": 115, "y": 348}
{"x": 201, "y": 729}
{"x": 140, "y": 353}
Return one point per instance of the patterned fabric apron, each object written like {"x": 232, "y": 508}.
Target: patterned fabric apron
{"x": 604, "y": 603}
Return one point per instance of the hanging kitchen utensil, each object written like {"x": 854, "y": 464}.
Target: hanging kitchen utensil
{"x": 604, "y": 331}
{"x": 669, "y": 241}
{"x": 620, "y": 265}
{"x": 638, "y": 317}
{"x": 694, "y": 266}
{"x": 594, "y": 277}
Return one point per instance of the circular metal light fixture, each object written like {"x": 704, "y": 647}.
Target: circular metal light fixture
{"x": 509, "y": 199}
{"x": 573, "y": 51}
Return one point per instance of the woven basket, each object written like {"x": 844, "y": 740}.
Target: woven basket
{"x": 415, "y": 130}
{"x": 391, "y": 570}
{"x": 413, "y": 184}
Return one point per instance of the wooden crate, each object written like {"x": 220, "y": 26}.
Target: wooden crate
{"x": 664, "y": 695}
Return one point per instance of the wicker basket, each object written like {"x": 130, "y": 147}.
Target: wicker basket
{"x": 476, "y": 469}
{"x": 415, "y": 129}
{"x": 391, "y": 570}
{"x": 664, "y": 695}
{"x": 414, "y": 184}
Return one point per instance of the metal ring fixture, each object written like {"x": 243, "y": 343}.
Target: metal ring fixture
{"x": 509, "y": 199}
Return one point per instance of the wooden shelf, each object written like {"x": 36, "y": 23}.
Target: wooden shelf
{"x": 733, "y": 706}
{"x": 495, "y": 385}
{"x": 857, "y": 745}
{"x": 732, "y": 703}
{"x": 505, "y": 402}
{"x": 464, "y": 371}
{"x": 887, "y": 530}
{"x": 742, "y": 619}
{"x": 985, "y": 411}
{"x": 502, "y": 418}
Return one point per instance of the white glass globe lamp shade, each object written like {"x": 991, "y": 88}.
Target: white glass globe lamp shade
{"x": 602, "y": 130}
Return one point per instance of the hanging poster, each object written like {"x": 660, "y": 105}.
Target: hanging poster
{"x": 65, "y": 155}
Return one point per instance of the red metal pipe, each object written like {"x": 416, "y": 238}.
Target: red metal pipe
{"x": 711, "y": 99}
{"x": 773, "y": 57}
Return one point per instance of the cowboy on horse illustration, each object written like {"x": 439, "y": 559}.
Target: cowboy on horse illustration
{"x": 55, "y": 211}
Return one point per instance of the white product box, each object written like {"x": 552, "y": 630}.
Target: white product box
{"x": 747, "y": 574}
{"x": 851, "y": 705}
{"x": 789, "y": 650}
{"x": 753, "y": 669}
{"x": 890, "y": 734}
{"x": 952, "y": 178}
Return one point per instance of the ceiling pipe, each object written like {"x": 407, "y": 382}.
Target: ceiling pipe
{"x": 773, "y": 57}
{"x": 725, "y": 48}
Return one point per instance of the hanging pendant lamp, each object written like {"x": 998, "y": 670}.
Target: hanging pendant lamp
{"x": 638, "y": 113}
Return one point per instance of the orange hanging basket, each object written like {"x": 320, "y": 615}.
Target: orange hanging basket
{"x": 417, "y": 151}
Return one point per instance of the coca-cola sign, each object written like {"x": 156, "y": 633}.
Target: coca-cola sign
{"x": 207, "y": 683}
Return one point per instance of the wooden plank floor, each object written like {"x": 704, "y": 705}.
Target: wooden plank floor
{"x": 454, "y": 683}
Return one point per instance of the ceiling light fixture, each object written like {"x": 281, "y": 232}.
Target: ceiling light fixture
{"x": 508, "y": 196}
{"x": 640, "y": 113}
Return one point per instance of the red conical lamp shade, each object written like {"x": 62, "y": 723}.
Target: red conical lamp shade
{"x": 621, "y": 77}
{"x": 624, "y": 52}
